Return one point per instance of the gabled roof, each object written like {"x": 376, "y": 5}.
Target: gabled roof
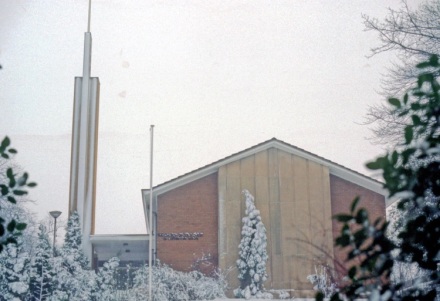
{"x": 334, "y": 169}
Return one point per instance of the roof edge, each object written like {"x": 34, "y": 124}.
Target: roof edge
{"x": 334, "y": 168}
{"x": 118, "y": 237}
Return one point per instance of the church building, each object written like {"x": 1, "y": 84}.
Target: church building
{"x": 197, "y": 216}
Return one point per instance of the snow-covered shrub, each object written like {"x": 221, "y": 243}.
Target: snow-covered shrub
{"x": 204, "y": 264}
{"x": 282, "y": 294}
{"x": 253, "y": 253}
{"x": 105, "y": 287}
{"x": 14, "y": 272}
{"x": 322, "y": 281}
{"x": 15, "y": 259}
{"x": 169, "y": 284}
{"x": 406, "y": 272}
{"x": 207, "y": 288}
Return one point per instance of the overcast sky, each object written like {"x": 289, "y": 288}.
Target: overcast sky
{"x": 215, "y": 77}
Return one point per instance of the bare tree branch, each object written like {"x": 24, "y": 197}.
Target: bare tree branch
{"x": 413, "y": 35}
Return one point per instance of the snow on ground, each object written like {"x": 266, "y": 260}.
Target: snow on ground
{"x": 296, "y": 299}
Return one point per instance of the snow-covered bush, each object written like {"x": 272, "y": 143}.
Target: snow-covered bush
{"x": 30, "y": 271}
{"x": 204, "y": 264}
{"x": 14, "y": 272}
{"x": 404, "y": 272}
{"x": 105, "y": 287}
{"x": 169, "y": 284}
{"x": 253, "y": 253}
{"x": 282, "y": 294}
{"x": 322, "y": 281}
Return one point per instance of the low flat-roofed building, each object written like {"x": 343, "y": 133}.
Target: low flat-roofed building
{"x": 129, "y": 248}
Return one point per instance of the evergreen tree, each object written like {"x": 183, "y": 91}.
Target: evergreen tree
{"x": 106, "y": 281}
{"x": 72, "y": 248}
{"x": 41, "y": 271}
{"x": 253, "y": 254}
{"x": 74, "y": 281}
{"x": 14, "y": 277}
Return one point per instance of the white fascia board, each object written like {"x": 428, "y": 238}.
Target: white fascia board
{"x": 359, "y": 180}
{"x": 203, "y": 172}
{"x": 334, "y": 169}
{"x": 337, "y": 170}
{"x": 118, "y": 237}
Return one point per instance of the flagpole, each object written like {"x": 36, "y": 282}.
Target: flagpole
{"x": 150, "y": 219}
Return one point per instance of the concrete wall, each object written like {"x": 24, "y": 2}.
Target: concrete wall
{"x": 343, "y": 193}
{"x": 190, "y": 208}
{"x": 293, "y": 196}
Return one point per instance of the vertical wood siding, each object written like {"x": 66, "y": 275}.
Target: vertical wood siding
{"x": 293, "y": 196}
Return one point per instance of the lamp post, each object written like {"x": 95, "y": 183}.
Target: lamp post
{"x": 55, "y": 215}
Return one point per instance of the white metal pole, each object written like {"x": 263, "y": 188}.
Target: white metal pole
{"x": 150, "y": 241}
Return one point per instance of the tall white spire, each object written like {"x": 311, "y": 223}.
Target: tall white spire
{"x": 84, "y": 145}
{"x": 90, "y": 12}
{"x": 87, "y": 60}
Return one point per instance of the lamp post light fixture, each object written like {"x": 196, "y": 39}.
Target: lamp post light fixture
{"x": 55, "y": 215}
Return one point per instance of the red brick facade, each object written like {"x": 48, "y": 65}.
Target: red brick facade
{"x": 193, "y": 208}
{"x": 188, "y": 209}
{"x": 342, "y": 195}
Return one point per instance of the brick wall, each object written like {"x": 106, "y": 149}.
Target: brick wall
{"x": 189, "y": 208}
{"x": 342, "y": 195}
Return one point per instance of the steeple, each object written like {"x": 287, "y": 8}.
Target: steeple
{"x": 87, "y": 60}
{"x": 84, "y": 145}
